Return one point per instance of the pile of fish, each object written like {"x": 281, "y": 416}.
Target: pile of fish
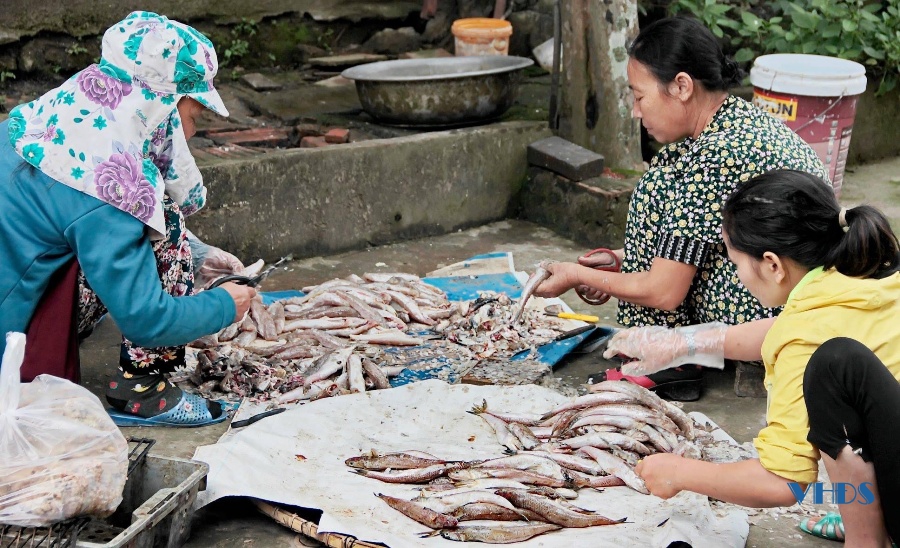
{"x": 592, "y": 441}
{"x": 342, "y": 336}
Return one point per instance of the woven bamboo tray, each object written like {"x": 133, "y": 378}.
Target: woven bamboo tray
{"x": 311, "y": 529}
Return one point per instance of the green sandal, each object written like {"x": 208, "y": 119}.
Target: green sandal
{"x": 826, "y": 527}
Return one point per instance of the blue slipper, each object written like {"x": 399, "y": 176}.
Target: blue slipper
{"x": 826, "y": 527}
{"x": 191, "y": 411}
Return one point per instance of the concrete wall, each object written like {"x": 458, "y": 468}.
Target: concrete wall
{"x": 876, "y": 128}
{"x": 319, "y": 201}
{"x": 91, "y": 17}
{"x": 591, "y": 212}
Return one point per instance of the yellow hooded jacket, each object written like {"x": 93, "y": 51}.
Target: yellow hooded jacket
{"x": 824, "y": 305}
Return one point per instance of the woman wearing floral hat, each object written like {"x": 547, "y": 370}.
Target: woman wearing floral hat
{"x": 95, "y": 180}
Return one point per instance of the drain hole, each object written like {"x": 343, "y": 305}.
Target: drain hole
{"x": 398, "y": 217}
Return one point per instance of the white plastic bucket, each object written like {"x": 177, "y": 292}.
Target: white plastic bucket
{"x": 816, "y": 96}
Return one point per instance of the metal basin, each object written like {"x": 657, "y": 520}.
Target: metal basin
{"x": 439, "y": 92}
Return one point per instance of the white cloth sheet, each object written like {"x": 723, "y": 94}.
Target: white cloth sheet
{"x": 297, "y": 458}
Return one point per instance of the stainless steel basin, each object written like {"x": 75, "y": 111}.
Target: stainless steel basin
{"x": 438, "y": 92}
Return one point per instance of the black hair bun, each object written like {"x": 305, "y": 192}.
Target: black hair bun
{"x": 732, "y": 75}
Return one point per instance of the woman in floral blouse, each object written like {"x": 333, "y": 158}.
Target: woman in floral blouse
{"x": 96, "y": 180}
{"x": 674, "y": 267}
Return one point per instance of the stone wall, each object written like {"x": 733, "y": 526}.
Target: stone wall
{"x": 56, "y": 38}
{"x": 591, "y": 212}
{"x": 321, "y": 201}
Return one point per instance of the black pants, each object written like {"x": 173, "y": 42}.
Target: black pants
{"x": 852, "y": 399}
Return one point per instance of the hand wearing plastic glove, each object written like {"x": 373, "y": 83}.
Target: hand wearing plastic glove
{"x": 655, "y": 348}
{"x": 218, "y": 263}
{"x": 210, "y": 262}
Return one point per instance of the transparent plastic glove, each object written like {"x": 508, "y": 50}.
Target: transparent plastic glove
{"x": 656, "y": 348}
{"x": 210, "y": 262}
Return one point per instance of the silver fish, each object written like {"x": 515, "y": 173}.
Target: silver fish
{"x": 417, "y": 512}
{"x": 417, "y": 475}
{"x": 615, "y": 466}
{"x": 555, "y": 513}
{"x": 539, "y": 275}
{"x": 507, "y": 533}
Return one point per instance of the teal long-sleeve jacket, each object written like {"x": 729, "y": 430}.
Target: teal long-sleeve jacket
{"x": 43, "y": 224}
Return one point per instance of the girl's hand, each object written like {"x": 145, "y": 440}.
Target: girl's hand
{"x": 563, "y": 277}
{"x": 660, "y": 474}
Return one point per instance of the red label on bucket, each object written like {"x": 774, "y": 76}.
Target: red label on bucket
{"x": 776, "y": 105}
{"x": 825, "y": 123}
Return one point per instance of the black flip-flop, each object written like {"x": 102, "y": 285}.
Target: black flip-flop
{"x": 678, "y": 384}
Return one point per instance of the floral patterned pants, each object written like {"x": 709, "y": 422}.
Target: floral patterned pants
{"x": 173, "y": 262}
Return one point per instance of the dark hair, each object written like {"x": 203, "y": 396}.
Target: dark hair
{"x": 795, "y": 215}
{"x": 682, "y": 44}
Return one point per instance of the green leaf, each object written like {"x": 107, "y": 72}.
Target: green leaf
{"x": 869, "y": 16}
{"x": 831, "y": 31}
{"x": 871, "y": 8}
{"x": 750, "y": 20}
{"x": 717, "y": 30}
{"x": 886, "y": 85}
{"x": 743, "y": 55}
{"x": 805, "y": 19}
{"x": 873, "y": 53}
{"x": 790, "y": 36}
{"x": 849, "y": 26}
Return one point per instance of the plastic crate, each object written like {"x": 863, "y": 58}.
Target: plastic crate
{"x": 156, "y": 509}
{"x": 65, "y": 533}
{"x": 58, "y": 535}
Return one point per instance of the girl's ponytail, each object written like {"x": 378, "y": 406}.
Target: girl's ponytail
{"x": 869, "y": 246}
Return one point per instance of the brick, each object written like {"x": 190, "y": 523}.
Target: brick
{"x": 348, "y": 60}
{"x": 268, "y": 137}
{"x": 259, "y": 82}
{"x": 337, "y": 136}
{"x": 565, "y": 158}
{"x": 313, "y": 142}
{"x": 334, "y": 82}
{"x": 307, "y": 130}
{"x": 748, "y": 380}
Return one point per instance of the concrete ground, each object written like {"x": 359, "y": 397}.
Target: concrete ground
{"x": 236, "y": 523}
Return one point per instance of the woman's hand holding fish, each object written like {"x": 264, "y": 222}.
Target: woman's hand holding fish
{"x": 660, "y": 473}
{"x": 242, "y": 296}
{"x": 563, "y": 277}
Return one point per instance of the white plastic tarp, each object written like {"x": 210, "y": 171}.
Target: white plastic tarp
{"x": 297, "y": 458}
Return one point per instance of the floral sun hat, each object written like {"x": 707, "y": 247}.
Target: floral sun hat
{"x": 113, "y": 131}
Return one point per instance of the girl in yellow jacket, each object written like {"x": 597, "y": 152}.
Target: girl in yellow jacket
{"x": 837, "y": 343}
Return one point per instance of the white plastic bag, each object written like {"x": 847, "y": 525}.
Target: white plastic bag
{"x": 61, "y": 456}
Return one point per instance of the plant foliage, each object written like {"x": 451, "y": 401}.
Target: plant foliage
{"x": 864, "y": 31}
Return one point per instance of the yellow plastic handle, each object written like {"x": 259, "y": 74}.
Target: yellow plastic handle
{"x": 582, "y": 317}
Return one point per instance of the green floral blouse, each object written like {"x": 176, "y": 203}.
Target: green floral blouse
{"x": 675, "y": 211}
